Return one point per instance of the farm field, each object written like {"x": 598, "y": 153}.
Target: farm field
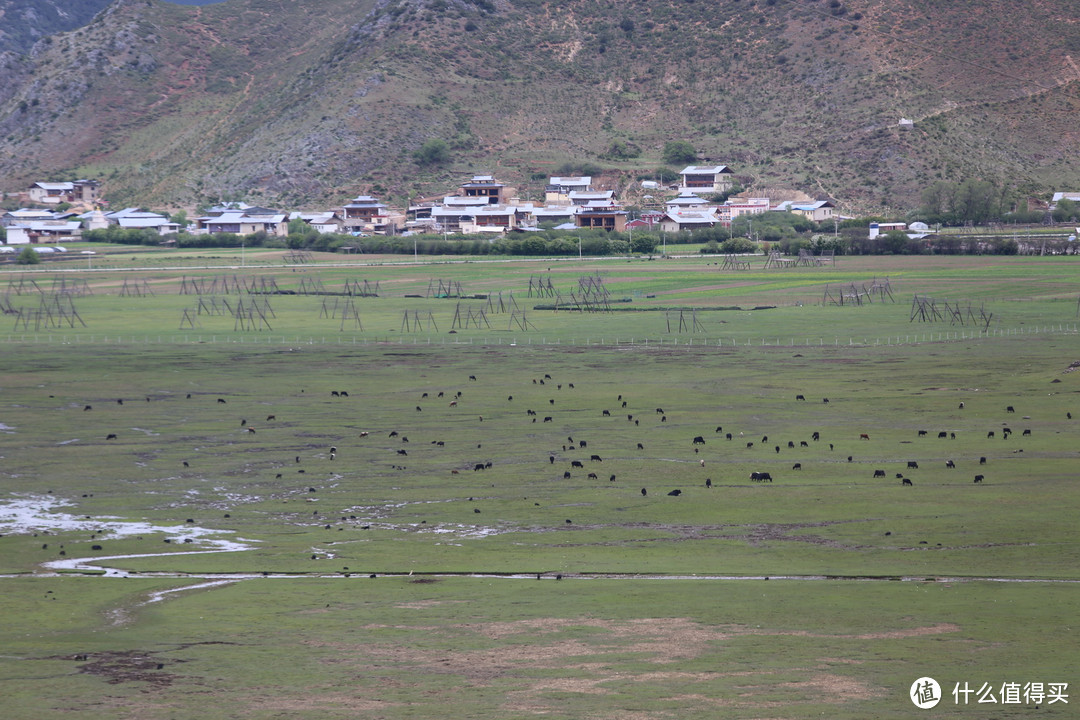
{"x": 305, "y": 521}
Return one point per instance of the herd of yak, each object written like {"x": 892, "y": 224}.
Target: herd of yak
{"x": 564, "y": 452}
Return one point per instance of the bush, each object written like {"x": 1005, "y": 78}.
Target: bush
{"x": 738, "y": 246}
{"x": 433, "y": 152}
{"x": 679, "y": 152}
{"x": 28, "y": 256}
{"x": 644, "y": 243}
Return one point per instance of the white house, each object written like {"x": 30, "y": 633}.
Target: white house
{"x": 43, "y": 231}
{"x": 817, "y": 211}
{"x": 559, "y": 188}
{"x": 736, "y": 207}
{"x": 324, "y": 222}
{"x": 581, "y": 198}
{"x": 159, "y": 223}
{"x": 680, "y": 220}
{"x": 24, "y": 215}
{"x": 54, "y": 193}
{"x": 1073, "y": 196}
{"x": 706, "y": 178}
{"x": 240, "y": 223}
{"x": 686, "y": 199}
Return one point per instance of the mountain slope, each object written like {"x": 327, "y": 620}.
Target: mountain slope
{"x": 24, "y": 22}
{"x": 307, "y": 103}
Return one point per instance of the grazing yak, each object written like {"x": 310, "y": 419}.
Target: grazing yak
{"x": 699, "y": 440}
{"x": 879, "y": 473}
{"x": 905, "y": 481}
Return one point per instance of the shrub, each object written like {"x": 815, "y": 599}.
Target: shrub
{"x": 28, "y": 256}
{"x": 433, "y": 152}
{"x": 738, "y": 246}
{"x": 679, "y": 152}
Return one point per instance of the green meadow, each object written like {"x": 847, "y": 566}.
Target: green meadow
{"x": 335, "y": 505}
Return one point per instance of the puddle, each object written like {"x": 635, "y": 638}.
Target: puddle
{"x": 43, "y": 514}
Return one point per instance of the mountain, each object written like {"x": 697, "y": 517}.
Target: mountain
{"x": 309, "y": 103}
{"x": 24, "y": 22}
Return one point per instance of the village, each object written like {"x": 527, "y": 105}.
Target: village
{"x": 481, "y": 206}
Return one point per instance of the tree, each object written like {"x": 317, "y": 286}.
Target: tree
{"x": 1066, "y": 210}
{"x": 975, "y": 201}
{"x": 28, "y": 256}
{"x": 679, "y": 152}
{"x": 298, "y": 227}
{"x": 180, "y": 218}
{"x": 622, "y": 150}
{"x": 433, "y": 152}
{"x": 643, "y": 243}
{"x": 894, "y": 242}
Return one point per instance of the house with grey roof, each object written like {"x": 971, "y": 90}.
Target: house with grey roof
{"x": 706, "y": 178}
{"x": 559, "y": 188}
{"x": 54, "y": 193}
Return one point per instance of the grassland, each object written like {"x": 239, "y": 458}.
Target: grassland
{"x": 364, "y": 582}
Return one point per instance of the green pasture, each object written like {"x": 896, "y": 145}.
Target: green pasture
{"x": 375, "y": 572}
{"x": 400, "y": 647}
{"x": 671, "y": 301}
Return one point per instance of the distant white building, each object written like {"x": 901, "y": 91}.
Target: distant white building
{"x": 559, "y": 188}
{"x": 706, "y": 178}
{"x": 1073, "y": 196}
{"x": 43, "y": 231}
{"x": 54, "y": 193}
{"x": 686, "y": 199}
{"x": 323, "y": 222}
{"x": 695, "y": 219}
{"x": 817, "y": 211}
